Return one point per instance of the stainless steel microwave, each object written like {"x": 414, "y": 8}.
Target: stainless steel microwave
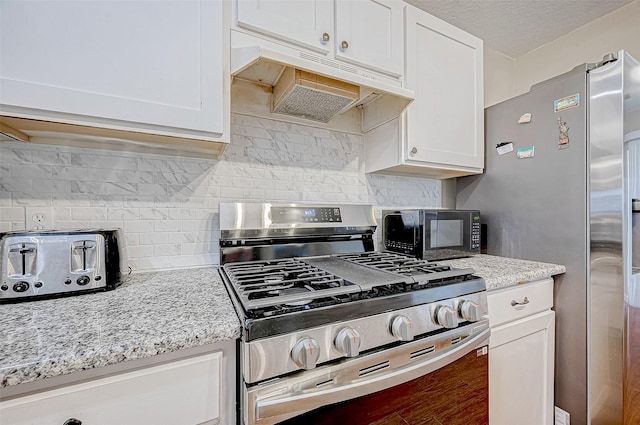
{"x": 432, "y": 234}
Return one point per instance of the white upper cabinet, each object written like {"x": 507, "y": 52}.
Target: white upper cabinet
{"x": 367, "y": 33}
{"x": 444, "y": 64}
{"x": 441, "y": 134}
{"x": 306, "y": 23}
{"x": 158, "y": 68}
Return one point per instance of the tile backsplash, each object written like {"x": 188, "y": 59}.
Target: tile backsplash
{"x": 168, "y": 206}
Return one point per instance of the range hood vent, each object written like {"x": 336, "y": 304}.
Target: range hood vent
{"x": 315, "y": 88}
{"x": 312, "y": 96}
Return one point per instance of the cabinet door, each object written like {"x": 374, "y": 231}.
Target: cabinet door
{"x": 369, "y": 33}
{"x": 123, "y": 65}
{"x": 301, "y": 22}
{"x": 521, "y": 358}
{"x": 445, "y": 124}
{"x": 185, "y": 392}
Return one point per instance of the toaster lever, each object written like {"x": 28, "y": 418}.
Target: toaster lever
{"x": 21, "y": 258}
{"x": 22, "y": 249}
{"x": 86, "y": 254}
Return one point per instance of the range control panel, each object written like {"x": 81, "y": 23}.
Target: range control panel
{"x": 288, "y": 215}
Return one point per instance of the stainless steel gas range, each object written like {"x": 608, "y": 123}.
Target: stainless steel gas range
{"x": 327, "y": 319}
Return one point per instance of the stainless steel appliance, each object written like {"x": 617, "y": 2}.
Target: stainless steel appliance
{"x": 431, "y": 234}
{"x": 327, "y": 319}
{"x": 562, "y": 169}
{"x": 45, "y": 264}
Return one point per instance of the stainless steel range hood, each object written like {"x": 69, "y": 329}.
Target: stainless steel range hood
{"x": 313, "y": 87}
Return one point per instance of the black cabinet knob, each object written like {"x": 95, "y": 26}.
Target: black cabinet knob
{"x": 72, "y": 421}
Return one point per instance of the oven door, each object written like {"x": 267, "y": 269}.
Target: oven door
{"x": 439, "y": 379}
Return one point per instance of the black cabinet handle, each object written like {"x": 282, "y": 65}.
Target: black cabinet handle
{"x": 72, "y": 421}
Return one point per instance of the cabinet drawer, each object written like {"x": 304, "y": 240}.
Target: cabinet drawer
{"x": 519, "y": 301}
{"x": 185, "y": 392}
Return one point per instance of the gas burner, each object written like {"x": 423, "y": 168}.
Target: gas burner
{"x": 395, "y": 263}
{"x": 420, "y": 271}
{"x": 285, "y": 283}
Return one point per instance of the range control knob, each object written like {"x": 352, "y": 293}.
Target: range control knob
{"x": 470, "y": 311}
{"x": 348, "y": 342}
{"x": 306, "y": 353}
{"x": 446, "y": 316}
{"x": 402, "y": 328}
{"x": 21, "y": 286}
{"x": 83, "y": 280}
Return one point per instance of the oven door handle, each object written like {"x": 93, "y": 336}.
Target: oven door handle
{"x": 291, "y": 403}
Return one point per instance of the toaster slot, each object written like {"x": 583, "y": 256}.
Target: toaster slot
{"x": 22, "y": 259}
{"x": 83, "y": 256}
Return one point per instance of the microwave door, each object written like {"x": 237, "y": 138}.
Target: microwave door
{"x": 447, "y": 234}
{"x": 445, "y": 238}
{"x": 400, "y": 232}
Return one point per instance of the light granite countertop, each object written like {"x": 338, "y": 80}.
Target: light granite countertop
{"x": 500, "y": 272}
{"x": 155, "y": 313}
{"x": 152, "y": 313}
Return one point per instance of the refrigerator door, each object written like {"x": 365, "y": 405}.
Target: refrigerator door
{"x": 536, "y": 208}
{"x": 606, "y": 261}
{"x": 631, "y": 367}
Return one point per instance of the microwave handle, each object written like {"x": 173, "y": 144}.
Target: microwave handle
{"x": 287, "y": 405}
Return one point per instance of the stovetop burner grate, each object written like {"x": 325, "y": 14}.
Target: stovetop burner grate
{"x": 423, "y": 274}
{"x": 269, "y": 288}
{"x": 395, "y": 263}
{"x": 278, "y": 286}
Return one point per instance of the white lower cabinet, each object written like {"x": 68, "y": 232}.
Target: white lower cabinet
{"x": 521, "y": 354}
{"x": 185, "y": 392}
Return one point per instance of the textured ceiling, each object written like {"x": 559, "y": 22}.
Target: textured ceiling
{"x": 518, "y": 26}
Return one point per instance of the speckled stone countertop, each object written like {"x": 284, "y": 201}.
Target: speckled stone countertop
{"x": 152, "y": 313}
{"x": 500, "y": 272}
{"x": 155, "y": 313}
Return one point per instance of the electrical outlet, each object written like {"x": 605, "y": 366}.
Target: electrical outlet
{"x": 38, "y": 218}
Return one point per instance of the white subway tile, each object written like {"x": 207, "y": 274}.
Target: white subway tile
{"x": 122, "y": 188}
{"x": 132, "y": 239}
{"x": 12, "y": 214}
{"x": 122, "y": 213}
{"x": 196, "y": 248}
{"x": 169, "y": 205}
{"x": 167, "y": 250}
{"x": 139, "y": 226}
{"x": 154, "y": 238}
{"x": 31, "y": 200}
{"x": 14, "y": 153}
{"x": 85, "y": 214}
{"x": 153, "y": 213}
{"x": 167, "y": 225}
{"x": 140, "y": 251}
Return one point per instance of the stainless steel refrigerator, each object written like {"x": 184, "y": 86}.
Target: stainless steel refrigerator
{"x": 562, "y": 172}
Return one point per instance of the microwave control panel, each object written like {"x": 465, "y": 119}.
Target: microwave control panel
{"x": 475, "y": 232}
